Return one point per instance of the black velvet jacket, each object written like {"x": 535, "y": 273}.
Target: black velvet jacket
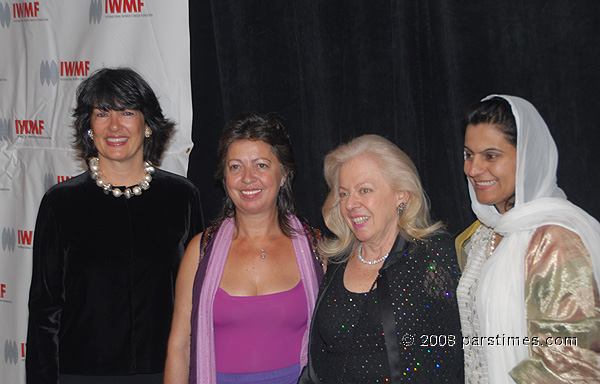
{"x": 104, "y": 270}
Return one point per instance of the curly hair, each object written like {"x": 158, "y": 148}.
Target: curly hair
{"x": 118, "y": 89}
{"x": 400, "y": 173}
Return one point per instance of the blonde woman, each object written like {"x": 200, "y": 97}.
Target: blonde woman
{"x": 386, "y": 311}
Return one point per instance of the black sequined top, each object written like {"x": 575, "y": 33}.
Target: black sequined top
{"x": 347, "y": 341}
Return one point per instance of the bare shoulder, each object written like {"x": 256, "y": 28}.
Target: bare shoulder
{"x": 196, "y": 239}
{"x": 192, "y": 251}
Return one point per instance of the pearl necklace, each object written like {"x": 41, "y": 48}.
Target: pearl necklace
{"x": 370, "y": 262}
{"x": 143, "y": 185}
{"x": 492, "y": 244}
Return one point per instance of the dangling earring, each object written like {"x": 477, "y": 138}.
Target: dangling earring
{"x": 148, "y": 132}
{"x": 401, "y": 207}
{"x": 90, "y": 134}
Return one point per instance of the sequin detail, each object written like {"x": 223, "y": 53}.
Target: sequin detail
{"x": 348, "y": 345}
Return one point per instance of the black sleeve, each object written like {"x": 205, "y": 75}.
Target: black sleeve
{"x": 46, "y": 298}
{"x": 441, "y": 281}
{"x": 196, "y": 216}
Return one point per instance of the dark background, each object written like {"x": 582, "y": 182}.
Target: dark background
{"x": 406, "y": 70}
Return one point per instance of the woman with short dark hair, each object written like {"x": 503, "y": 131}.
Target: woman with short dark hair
{"x": 108, "y": 244}
{"x": 119, "y": 89}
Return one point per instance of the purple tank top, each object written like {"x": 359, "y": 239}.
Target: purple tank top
{"x": 259, "y": 333}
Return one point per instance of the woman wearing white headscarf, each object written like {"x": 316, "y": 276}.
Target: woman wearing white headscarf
{"x": 528, "y": 295}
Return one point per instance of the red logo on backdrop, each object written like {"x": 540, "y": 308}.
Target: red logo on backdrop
{"x": 51, "y": 180}
{"x": 29, "y": 127}
{"x": 69, "y": 70}
{"x": 60, "y": 179}
{"x": 4, "y": 294}
{"x": 12, "y": 352}
{"x": 116, "y": 9}
{"x": 24, "y": 238}
{"x": 26, "y": 10}
{"x": 123, "y": 6}
{"x": 74, "y": 68}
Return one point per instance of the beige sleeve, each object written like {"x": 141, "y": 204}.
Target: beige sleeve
{"x": 563, "y": 311}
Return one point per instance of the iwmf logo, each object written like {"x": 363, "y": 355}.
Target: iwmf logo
{"x": 12, "y": 352}
{"x": 113, "y": 7}
{"x": 51, "y": 180}
{"x": 26, "y": 10}
{"x": 20, "y": 11}
{"x": 6, "y": 131}
{"x": 50, "y": 72}
{"x": 23, "y": 238}
{"x": 21, "y": 128}
{"x": 3, "y": 295}
{"x": 9, "y": 240}
{"x": 29, "y": 127}
{"x": 5, "y": 16}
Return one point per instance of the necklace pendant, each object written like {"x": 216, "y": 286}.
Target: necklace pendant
{"x": 262, "y": 254}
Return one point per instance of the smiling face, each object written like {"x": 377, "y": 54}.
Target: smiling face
{"x": 253, "y": 176}
{"x": 490, "y": 165}
{"x": 367, "y": 202}
{"x": 118, "y": 135}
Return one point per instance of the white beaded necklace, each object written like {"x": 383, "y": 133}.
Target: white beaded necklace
{"x": 370, "y": 262}
{"x": 492, "y": 244}
{"x": 143, "y": 185}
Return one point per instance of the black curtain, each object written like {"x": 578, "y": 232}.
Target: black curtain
{"x": 406, "y": 70}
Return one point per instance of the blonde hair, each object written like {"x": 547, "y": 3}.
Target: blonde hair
{"x": 399, "y": 172}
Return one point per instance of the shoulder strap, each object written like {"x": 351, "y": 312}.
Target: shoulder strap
{"x": 389, "y": 327}
{"x": 207, "y": 237}
{"x": 314, "y": 237}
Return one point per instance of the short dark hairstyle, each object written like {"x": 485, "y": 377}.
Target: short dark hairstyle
{"x": 269, "y": 129}
{"x": 496, "y": 111}
{"x": 118, "y": 89}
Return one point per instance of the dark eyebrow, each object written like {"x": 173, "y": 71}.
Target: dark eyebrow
{"x": 491, "y": 149}
{"x": 261, "y": 159}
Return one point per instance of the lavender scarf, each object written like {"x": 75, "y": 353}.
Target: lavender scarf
{"x": 202, "y": 358}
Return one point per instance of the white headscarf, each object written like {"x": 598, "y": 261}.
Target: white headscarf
{"x": 538, "y": 202}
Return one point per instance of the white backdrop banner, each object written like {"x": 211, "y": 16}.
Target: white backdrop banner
{"x": 47, "y": 48}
